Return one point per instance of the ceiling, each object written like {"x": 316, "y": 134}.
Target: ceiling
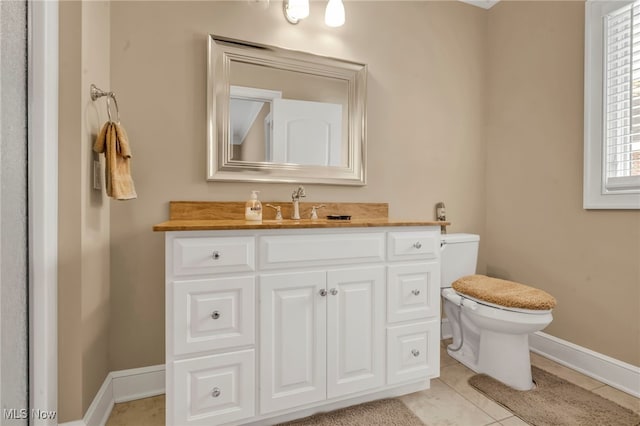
{"x": 485, "y": 4}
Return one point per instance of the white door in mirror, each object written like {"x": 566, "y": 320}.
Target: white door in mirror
{"x": 306, "y": 133}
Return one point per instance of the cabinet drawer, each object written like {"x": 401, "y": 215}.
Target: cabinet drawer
{"x": 213, "y": 390}
{"x": 213, "y": 314}
{"x": 320, "y": 249}
{"x": 413, "y": 352}
{"x": 413, "y": 245}
{"x": 413, "y": 291}
{"x": 212, "y": 255}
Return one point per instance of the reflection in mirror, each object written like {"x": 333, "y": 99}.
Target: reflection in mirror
{"x": 250, "y": 115}
{"x": 284, "y": 116}
{"x": 265, "y": 127}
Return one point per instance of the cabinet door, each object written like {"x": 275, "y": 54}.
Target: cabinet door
{"x": 413, "y": 351}
{"x": 292, "y": 339}
{"x": 213, "y": 389}
{"x": 355, "y": 330}
{"x": 413, "y": 291}
{"x": 211, "y": 314}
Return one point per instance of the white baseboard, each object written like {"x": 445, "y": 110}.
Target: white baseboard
{"x": 122, "y": 386}
{"x": 138, "y": 383}
{"x": 615, "y": 373}
{"x": 101, "y": 406}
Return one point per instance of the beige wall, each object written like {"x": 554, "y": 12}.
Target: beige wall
{"x": 537, "y": 232}
{"x": 84, "y": 267}
{"x": 425, "y": 97}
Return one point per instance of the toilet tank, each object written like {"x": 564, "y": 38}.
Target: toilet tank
{"x": 458, "y": 257}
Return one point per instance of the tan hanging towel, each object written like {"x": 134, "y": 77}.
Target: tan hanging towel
{"x": 114, "y": 143}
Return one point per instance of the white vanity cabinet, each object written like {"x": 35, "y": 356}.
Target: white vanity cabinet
{"x": 266, "y": 325}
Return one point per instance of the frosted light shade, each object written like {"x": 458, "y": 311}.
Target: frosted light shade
{"x": 334, "y": 14}
{"x": 298, "y": 9}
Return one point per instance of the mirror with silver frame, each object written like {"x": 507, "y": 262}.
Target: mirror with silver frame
{"x": 278, "y": 115}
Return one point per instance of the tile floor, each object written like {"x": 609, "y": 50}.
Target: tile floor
{"x": 450, "y": 401}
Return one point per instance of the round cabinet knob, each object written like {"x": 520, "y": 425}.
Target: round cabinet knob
{"x": 417, "y": 245}
{"x": 216, "y": 392}
{"x": 323, "y": 292}
{"x": 334, "y": 291}
{"x": 415, "y": 352}
{"x": 215, "y": 255}
{"x": 415, "y": 292}
{"x": 215, "y": 314}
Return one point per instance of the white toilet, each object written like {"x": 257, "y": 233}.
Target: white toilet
{"x": 487, "y": 337}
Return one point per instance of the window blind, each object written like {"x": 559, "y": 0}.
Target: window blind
{"x": 622, "y": 93}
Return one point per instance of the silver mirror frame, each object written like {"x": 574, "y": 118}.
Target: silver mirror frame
{"x": 220, "y": 167}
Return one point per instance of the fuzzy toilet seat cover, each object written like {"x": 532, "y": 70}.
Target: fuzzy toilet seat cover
{"x": 504, "y": 293}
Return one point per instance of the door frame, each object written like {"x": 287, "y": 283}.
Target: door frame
{"x": 42, "y": 119}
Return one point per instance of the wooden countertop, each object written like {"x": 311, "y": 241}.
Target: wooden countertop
{"x": 216, "y": 225}
{"x": 229, "y": 215}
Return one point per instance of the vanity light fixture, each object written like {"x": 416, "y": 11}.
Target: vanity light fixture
{"x": 295, "y": 10}
{"x": 334, "y": 14}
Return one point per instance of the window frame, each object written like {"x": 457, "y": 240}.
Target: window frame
{"x": 595, "y": 194}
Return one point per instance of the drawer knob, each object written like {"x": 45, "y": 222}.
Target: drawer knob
{"x": 415, "y": 292}
{"x": 417, "y": 245}
{"x": 323, "y": 292}
{"x": 334, "y": 291}
{"x": 415, "y": 352}
{"x": 215, "y": 255}
{"x": 215, "y": 314}
{"x": 216, "y": 392}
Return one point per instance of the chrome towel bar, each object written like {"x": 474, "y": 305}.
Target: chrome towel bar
{"x": 98, "y": 93}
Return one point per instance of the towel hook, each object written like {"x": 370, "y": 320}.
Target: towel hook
{"x": 98, "y": 93}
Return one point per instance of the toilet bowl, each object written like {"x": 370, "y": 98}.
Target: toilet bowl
{"x": 488, "y": 337}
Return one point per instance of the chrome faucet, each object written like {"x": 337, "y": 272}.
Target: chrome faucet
{"x": 295, "y": 199}
{"x": 278, "y": 210}
{"x": 314, "y": 211}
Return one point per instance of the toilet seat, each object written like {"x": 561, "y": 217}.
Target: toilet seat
{"x": 504, "y": 308}
{"x": 495, "y": 317}
{"x": 503, "y": 294}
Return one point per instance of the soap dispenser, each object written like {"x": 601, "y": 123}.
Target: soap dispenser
{"x": 253, "y": 208}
